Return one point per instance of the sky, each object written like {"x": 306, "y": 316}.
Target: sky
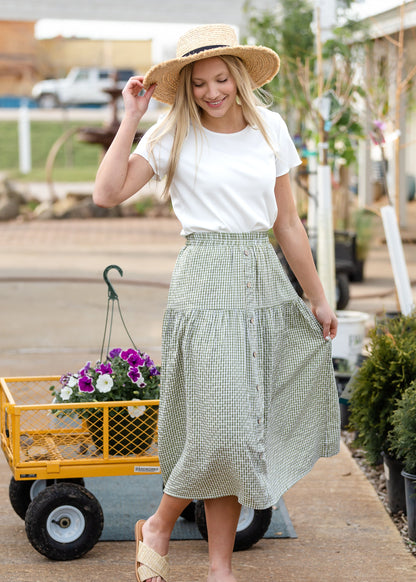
{"x": 164, "y": 35}
{"x": 370, "y": 7}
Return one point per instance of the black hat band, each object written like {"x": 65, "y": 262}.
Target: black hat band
{"x": 204, "y": 48}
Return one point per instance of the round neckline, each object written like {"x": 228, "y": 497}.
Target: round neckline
{"x": 222, "y": 133}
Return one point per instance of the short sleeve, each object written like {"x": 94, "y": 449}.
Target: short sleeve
{"x": 158, "y": 158}
{"x": 287, "y": 156}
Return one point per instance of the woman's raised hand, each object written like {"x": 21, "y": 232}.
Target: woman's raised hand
{"x": 136, "y": 98}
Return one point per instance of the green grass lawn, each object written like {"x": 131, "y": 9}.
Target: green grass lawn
{"x": 76, "y": 161}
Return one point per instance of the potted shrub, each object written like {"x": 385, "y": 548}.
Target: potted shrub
{"x": 127, "y": 375}
{"x": 403, "y": 443}
{"x": 380, "y": 381}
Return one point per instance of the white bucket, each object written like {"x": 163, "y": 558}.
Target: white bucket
{"x": 349, "y": 340}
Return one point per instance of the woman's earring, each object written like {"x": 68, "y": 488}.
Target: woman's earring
{"x": 237, "y": 100}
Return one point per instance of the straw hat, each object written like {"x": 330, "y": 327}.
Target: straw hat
{"x": 207, "y": 41}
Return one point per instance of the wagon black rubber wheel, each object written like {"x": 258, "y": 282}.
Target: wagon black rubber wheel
{"x": 252, "y": 525}
{"x": 64, "y": 521}
{"x": 342, "y": 290}
{"x": 21, "y": 493}
{"x": 189, "y": 512}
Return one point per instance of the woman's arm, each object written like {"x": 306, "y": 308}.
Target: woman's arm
{"x": 120, "y": 174}
{"x": 293, "y": 240}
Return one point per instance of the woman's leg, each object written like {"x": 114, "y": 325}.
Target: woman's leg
{"x": 158, "y": 527}
{"x": 222, "y": 516}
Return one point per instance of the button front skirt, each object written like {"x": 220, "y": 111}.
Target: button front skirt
{"x": 248, "y": 397}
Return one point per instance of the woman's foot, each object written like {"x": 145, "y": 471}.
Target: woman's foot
{"x": 156, "y": 538}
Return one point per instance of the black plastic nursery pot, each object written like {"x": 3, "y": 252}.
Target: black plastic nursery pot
{"x": 127, "y": 435}
{"x": 410, "y": 488}
{"x": 395, "y": 486}
{"x": 342, "y": 379}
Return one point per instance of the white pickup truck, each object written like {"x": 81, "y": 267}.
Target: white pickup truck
{"x": 82, "y": 86}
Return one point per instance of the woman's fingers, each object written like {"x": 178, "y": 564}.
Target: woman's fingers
{"x": 135, "y": 96}
{"x": 327, "y": 319}
{"x": 333, "y": 327}
{"x": 148, "y": 94}
{"x": 133, "y": 86}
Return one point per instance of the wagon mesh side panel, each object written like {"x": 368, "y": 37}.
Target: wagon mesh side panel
{"x": 6, "y": 431}
{"x": 104, "y": 431}
{"x": 51, "y": 435}
{"x": 32, "y": 390}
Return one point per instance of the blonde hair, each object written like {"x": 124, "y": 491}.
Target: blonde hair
{"x": 185, "y": 112}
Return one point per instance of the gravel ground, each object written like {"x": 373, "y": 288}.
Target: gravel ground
{"x": 377, "y": 478}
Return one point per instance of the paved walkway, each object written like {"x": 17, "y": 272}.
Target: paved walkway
{"x": 52, "y": 322}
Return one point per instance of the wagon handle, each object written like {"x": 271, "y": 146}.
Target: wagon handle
{"x": 111, "y": 293}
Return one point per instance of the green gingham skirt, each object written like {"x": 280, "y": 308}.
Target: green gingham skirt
{"x": 248, "y": 397}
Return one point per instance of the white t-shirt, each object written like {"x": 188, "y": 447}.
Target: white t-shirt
{"x": 224, "y": 182}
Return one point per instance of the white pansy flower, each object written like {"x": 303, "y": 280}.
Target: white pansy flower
{"x": 72, "y": 381}
{"x": 66, "y": 392}
{"x": 104, "y": 383}
{"x": 136, "y": 411}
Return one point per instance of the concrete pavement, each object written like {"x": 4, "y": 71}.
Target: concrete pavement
{"x": 52, "y": 321}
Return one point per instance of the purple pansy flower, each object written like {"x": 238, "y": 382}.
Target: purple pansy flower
{"x": 115, "y": 352}
{"x": 127, "y": 353}
{"x": 85, "y": 384}
{"x": 64, "y": 379}
{"x": 135, "y": 360}
{"x": 104, "y": 369}
{"x": 135, "y": 376}
{"x": 154, "y": 371}
{"x": 148, "y": 360}
{"x": 85, "y": 369}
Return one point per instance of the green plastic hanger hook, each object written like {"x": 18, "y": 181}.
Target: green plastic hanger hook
{"x": 111, "y": 293}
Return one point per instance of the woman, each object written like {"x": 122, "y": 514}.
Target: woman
{"x": 248, "y": 399}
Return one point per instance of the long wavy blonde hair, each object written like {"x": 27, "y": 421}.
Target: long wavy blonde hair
{"x": 185, "y": 112}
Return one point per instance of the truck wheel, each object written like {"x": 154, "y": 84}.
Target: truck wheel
{"x": 342, "y": 290}
{"x": 21, "y": 493}
{"x": 47, "y": 101}
{"x": 64, "y": 521}
{"x": 252, "y": 525}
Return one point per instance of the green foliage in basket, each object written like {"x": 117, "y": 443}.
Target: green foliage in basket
{"x": 380, "y": 382}
{"x": 403, "y": 434}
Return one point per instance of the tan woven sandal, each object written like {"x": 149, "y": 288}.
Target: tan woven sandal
{"x": 149, "y": 563}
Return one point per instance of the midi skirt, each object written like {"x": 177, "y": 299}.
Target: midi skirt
{"x": 248, "y": 397}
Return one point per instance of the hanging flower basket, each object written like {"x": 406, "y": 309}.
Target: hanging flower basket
{"x": 126, "y": 375}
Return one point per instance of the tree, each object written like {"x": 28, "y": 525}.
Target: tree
{"x": 288, "y": 31}
{"x": 389, "y": 98}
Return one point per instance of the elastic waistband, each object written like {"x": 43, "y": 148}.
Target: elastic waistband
{"x": 227, "y": 238}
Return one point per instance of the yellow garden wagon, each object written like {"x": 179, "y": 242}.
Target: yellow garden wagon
{"x": 51, "y": 447}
